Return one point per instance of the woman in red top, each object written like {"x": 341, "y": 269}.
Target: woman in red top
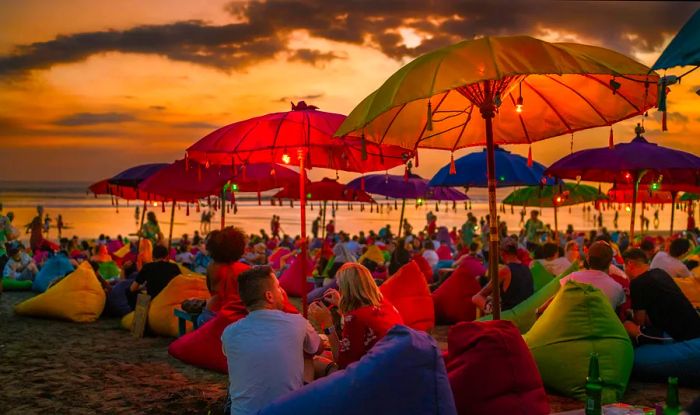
{"x": 366, "y": 315}
{"x": 225, "y": 248}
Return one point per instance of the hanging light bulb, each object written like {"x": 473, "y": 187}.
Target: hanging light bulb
{"x": 519, "y": 102}
{"x": 286, "y": 159}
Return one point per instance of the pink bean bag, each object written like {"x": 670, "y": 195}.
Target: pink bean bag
{"x": 453, "y": 299}
{"x": 408, "y": 291}
{"x": 292, "y": 281}
{"x": 491, "y": 370}
{"x": 276, "y": 256}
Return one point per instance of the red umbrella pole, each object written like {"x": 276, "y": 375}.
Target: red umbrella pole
{"x": 223, "y": 207}
{"x": 673, "y": 209}
{"x": 143, "y": 216}
{"x": 403, "y": 208}
{"x": 488, "y": 111}
{"x": 556, "y": 226}
{"x": 302, "y": 199}
{"x": 323, "y": 221}
{"x": 172, "y": 222}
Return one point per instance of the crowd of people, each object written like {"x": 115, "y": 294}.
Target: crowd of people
{"x": 273, "y": 351}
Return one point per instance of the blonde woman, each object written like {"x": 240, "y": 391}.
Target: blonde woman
{"x": 366, "y": 315}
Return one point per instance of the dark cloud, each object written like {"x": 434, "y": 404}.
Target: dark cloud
{"x": 313, "y": 57}
{"x": 93, "y": 118}
{"x": 672, "y": 116}
{"x": 157, "y": 107}
{"x": 300, "y": 98}
{"x": 195, "y": 124}
{"x": 263, "y": 28}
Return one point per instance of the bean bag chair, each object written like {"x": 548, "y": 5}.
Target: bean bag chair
{"x": 578, "y": 322}
{"x": 402, "y": 374}
{"x": 161, "y": 317}
{"x": 292, "y": 281}
{"x": 11, "y": 284}
{"x": 690, "y": 288}
{"x": 408, "y": 291}
{"x": 656, "y": 362}
{"x": 109, "y": 270}
{"x": 54, "y": 267}
{"x": 117, "y": 301}
{"x": 78, "y": 297}
{"x": 424, "y": 266}
{"x": 114, "y": 245}
{"x": 524, "y": 314}
{"x": 276, "y": 256}
{"x": 453, "y": 299}
{"x": 540, "y": 275}
{"x": 491, "y": 370}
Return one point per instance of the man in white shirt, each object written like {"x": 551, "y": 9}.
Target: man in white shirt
{"x": 552, "y": 262}
{"x": 600, "y": 256}
{"x": 265, "y": 350}
{"x": 430, "y": 254}
{"x": 670, "y": 261}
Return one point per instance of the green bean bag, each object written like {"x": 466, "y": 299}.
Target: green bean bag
{"x": 578, "y": 322}
{"x": 109, "y": 270}
{"x": 540, "y": 275}
{"x": 11, "y": 284}
{"x": 524, "y": 314}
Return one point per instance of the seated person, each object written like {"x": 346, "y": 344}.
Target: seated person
{"x": 600, "y": 256}
{"x": 257, "y": 255}
{"x": 572, "y": 252}
{"x": 670, "y": 262}
{"x": 265, "y": 350}
{"x": 201, "y": 260}
{"x": 19, "y": 266}
{"x": 400, "y": 257}
{"x": 372, "y": 258}
{"x": 225, "y": 248}
{"x": 157, "y": 274}
{"x": 552, "y": 262}
{"x": 515, "y": 279}
{"x": 184, "y": 256}
{"x": 430, "y": 254}
{"x": 660, "y": 307}
{"x": 366, "y": 315}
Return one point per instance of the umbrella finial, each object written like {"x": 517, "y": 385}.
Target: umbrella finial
{"x": 301, "y": 106}
{"x": 639, "y": 129}
{"x": 453, "y": 168}
{"x": 429, "y": 123}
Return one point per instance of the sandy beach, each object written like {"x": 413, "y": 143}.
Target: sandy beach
{"x": 56, "y": 367}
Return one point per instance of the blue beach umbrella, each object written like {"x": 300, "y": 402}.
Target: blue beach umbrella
{"x": 511, "y": 170}
{"x": 684, "y": 49}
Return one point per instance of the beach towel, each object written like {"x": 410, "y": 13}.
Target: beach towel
{"x": 402, "y": 374}
{"x": 453, "y": 299}
{"x": 491, "y": 370}
{"x": 580, "y": 321}
{"x": 408, "y": 291}
{"x": 54, "y": 267}
{"x": 78, "y": 297}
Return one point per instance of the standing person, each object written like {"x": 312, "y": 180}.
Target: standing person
{"x": 330, "y": 229}
{"x": 430, "y": 254}
{"x": 533, "y": 230}
{"x": 659, "y": 305}
{"x": 367, "y": 316}
{"x": 157, "y": 274}
{"x": 407, "y": 228}
{"x": 37, "y": 242}
{"x": 400, "y": 257}
{"x": 316, "y": 226}
{"x": 265, "y": 350}
{"x": 468, "y": 229}
{"x": 151, "y": 230}
{"x": 59, "y": 225}
{"x": 6, "y": 235}
{"x": 47, "y": 224}
{"x": 432, "y": 224}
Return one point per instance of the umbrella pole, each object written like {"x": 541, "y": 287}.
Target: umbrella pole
{"x": 556, "y": 226}
{"x": 487, "y": 112}
{"x": 223, "y": 208}
{"x": 323, "y": 226}
{"x": 641, "y": 225}
{"x": 673, "y": 209}
{"x": 143, "y": 216}
{"x": 403, "y": 208}
{"x": 302, "y": 199}
{"x": 637, "y": 178}
{"x": 172, "y": 222}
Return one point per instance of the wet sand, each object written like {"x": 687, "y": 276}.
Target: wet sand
{"x": 56, "y": 367}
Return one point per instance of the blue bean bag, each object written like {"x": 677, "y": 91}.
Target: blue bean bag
{"x": 117, "y": 302}
{"x": 656, "y": 362}
{"x": 403, "y": 373}
{"x": 54, "y": 267}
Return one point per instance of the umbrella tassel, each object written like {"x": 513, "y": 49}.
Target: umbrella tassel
{"x": 362, "y": 183}
{"x": 453, "y": 168}
{"x": 162, "y": 207}
{"x": 529, "y": 156}
{"x": 187, "y": 208}
{"x": 416, "y": 157}
{"x": 396, "y": 204}
{"x": 429, "y": 124}
{"x": 260, "y": 199}
{"x": 363, "y": 141}
{"x": 664, "y": 125}
{"x": 197, "y": 209}
{"x": 235, "y": 208}
{"x": 611, "y": 144}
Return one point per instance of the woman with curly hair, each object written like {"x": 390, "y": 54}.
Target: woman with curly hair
{"x": 225, "y": 247}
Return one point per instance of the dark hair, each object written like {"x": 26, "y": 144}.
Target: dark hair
{"x": 603, "y": 237}
{"x": 151, "y": 216}
{"x": 160, "y": 252}
{"x": 429, "y": 244}
{"x": 252, "y": 284}
{"x": 227, "y": 245}
{"x": 679, "y": 247}
{"x": 600, "y": 256}
{"x": 635, "y": 254}
{"x": 549, "y": 250}
{"x": 647, "y": 245}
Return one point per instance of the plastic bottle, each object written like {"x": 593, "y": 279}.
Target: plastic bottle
{"x": 594, "y": 387}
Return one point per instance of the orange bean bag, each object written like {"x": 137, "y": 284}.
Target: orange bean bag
{"x": 161, "y": 317}
{"x": 408, "y": 291}
{"x": 691, "y": 289}
{"x": 491, "y": 370}
{"x": 291, "y": 279}
{"x": 453, "y": 299}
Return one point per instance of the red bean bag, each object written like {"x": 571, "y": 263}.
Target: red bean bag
{"x": 491, "y": 370}
{"x": 453, "y": 299}
{"x": 424, "y": 267}
{"x": 276, "y": 256}
{"x": 292, "y": 281}
{"x": 409, "y": 293}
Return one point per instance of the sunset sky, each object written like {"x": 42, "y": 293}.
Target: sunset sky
{"x": 88, "y": 88}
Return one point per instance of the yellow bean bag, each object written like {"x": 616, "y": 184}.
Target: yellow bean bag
{"x": 161, "y": 317}
{"x": 691, "y": 288}
{"x": 78, "y": 297}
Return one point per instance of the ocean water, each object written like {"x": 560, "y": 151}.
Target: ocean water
{"x": 88, "y": 216}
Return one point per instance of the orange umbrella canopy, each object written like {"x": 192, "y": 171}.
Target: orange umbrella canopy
{"x": 326, "y": 190}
